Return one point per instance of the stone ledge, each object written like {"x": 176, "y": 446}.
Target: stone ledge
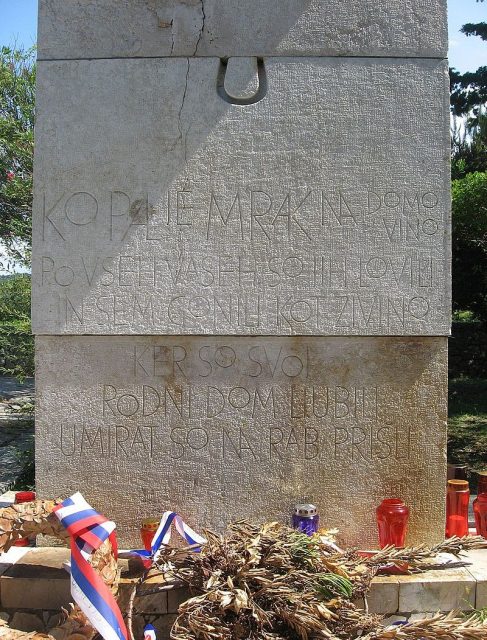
{"x": 37, "y": 580}
{"x": 34, "y": 583}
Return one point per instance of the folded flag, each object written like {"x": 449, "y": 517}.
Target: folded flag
{"x": 89, "y": 530}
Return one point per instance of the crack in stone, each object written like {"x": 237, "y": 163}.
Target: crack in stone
{"x": 182, "y": 137}
{"x": 203, "y": 19}
{"x": 172, "y": 36}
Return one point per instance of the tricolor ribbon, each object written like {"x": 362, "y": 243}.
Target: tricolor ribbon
{"x": 163, "y": 535}
{"x": 162, "y": 538}
{"x": 89, "y": 530}
{"x": 149, "y": 632}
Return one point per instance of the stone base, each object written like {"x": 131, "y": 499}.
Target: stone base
{"x": 34, "y": 586}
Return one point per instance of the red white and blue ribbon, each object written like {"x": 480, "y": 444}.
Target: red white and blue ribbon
{"x": 162, "y": 536}
{"x": 89, "y": 530}
{"x": 149, "y": 632}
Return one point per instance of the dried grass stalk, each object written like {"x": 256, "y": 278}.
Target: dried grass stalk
{"x": 422, "y": 557}
{"x": 273, "y": 583}
{"x": 452, "y": 626}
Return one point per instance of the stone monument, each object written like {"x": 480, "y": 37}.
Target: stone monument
{"x": 241, "y": 264}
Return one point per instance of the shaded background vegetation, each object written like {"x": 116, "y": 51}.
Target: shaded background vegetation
{"x": 467, "y": 425}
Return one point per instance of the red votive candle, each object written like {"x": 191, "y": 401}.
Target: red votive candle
{"x": 482, "y": 485}
{"x": 147, "y": 531}
{"x": 480, "y": 512}
{"x": 24, "y": 496}
{"x": 392, "y": 520}
{"x": 457, "y": 498}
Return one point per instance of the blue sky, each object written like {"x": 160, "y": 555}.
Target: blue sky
{"x": 18, "y": 23}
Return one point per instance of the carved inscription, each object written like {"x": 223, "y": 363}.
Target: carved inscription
{"x": 255, "y": 423}
{"x": 249, "y": 215}
{"x": 276, "y": 408}
{"x": 308, "y": 261}
{"x": 229, "y": 272}
{"x": 345, "y": 443}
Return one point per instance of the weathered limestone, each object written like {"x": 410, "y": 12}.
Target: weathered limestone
{"x": 225, "y": 428}
{"x": 322, "y": 209}
{"x": 241, "y": 274}
{"x": 478, "y": 569}
{"x": 39, "y": 574}
{"x": 438, "y": 590}
{"x": 146, "y": 28}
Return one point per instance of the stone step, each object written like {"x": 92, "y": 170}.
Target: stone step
{"x": 36, "y": 580}
{"x": 34, "y": 586}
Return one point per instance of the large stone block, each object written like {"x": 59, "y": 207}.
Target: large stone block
{"x": 441, "y": 590}
{"x": 478, "y": 569}
{"x": 131, "y": 28}
{"x": 36, "y": 581}
{"x": 163, "y": 207}
{"x": 220, "y": 429}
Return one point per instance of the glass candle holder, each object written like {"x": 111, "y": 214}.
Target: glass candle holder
{"x": 392, "y": 521}
{"x": 482, "y": 484}
{"x": 147, "y": 531}
{"x": 457, "y": 471}
{"x": 24, "y": 496}
{"x": 480, "y": 513}
{"x": 306, "y": 519}
{"x": 457, "y": 499}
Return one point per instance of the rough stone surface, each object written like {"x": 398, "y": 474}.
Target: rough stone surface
{"x": 26, "y": 621}
{"x": 155, "y": 603}
{"x": 383, "y": 596}
{"x": 225, "y": 428}
{"x": 212, "y": 168}
{"x": 322, "y": 209}
{"x": 175, "y": 598}
{"x": 441, "y": 590}
{"x": 478, "y": 569}
{"x": 119, "y": 28}
{"x": 39, "y": 574}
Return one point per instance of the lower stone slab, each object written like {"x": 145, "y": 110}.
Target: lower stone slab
{"x": 224, "y": 428}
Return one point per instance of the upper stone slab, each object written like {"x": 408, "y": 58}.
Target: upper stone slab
{"x": 73, "y": 29}
{"x": 167, "y": 202}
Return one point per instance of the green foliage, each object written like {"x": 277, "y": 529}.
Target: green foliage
{"x": 480, "y": 614}
{"x": 331, "y": 585}
{"x": 305, "y": 550}
{"x": 470, "y": 244}
{"x": 16, "y": 340}
{"x": 15, "y": 298}
{"x": 25, "y": 481}
{"x": 467, "y": 351}
{"x": 467, "y": 424}
{"x": 17, "y": 102}
{"x": 463, "y": 316}
{"x": 478, "y": 29}
{"x": 469, "y": 90}
{"x": 469, "y": 148}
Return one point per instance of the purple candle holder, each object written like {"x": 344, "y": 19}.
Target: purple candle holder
{"x": 306, "y": 519}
